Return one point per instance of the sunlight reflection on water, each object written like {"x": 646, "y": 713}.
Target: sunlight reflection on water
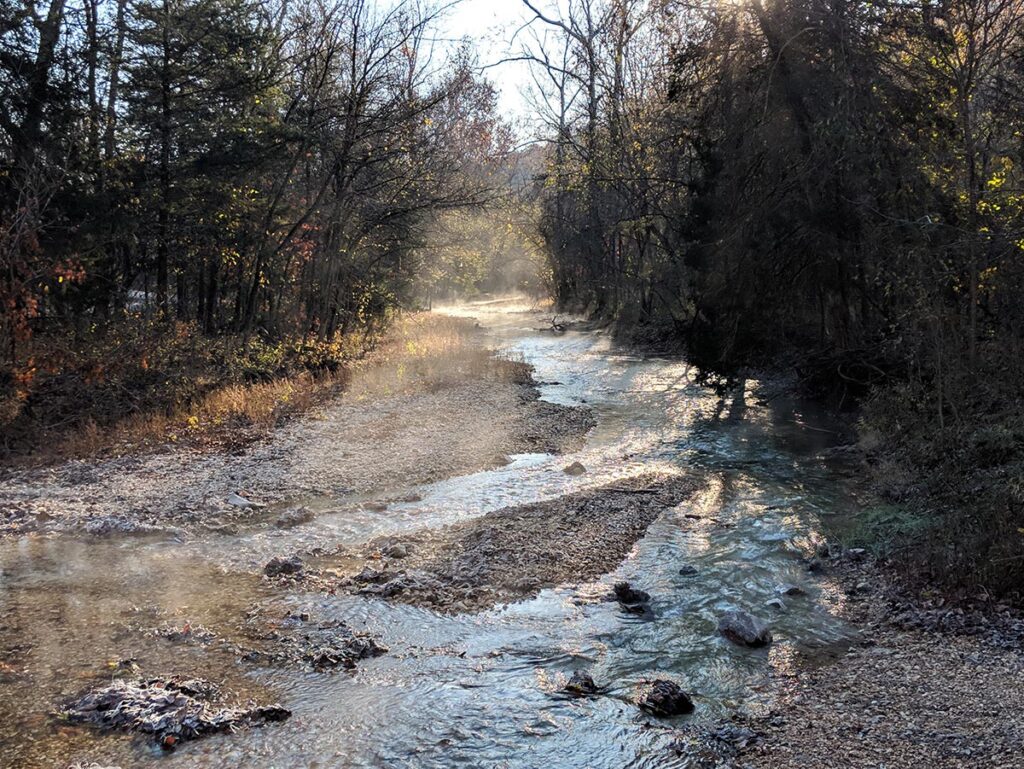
{"x": 473, "y": 690}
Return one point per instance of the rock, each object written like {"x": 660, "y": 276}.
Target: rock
{"x": 743, "y": 629}
{"x": 278, "y": 566}
{"x": 112, "y": 525}
{"x": 295, "y": 517}
{"x": 581, "y": 683}
{"x": 856, "y": 553}
{"x": 237, "y": 500}
{"x": 628, "y": 596}
{"x": 688, "y": 571}
{"x": 665, "y": 699}
{"x": 790, "y": 590}
{"x": 775, "y": 603}
{"x": 735, "y": 737}
{"x": 815, "y": 565}
{"x": 397, "y": 550}
{"x": 574, "y": 469}
{"x": 369, "y": 575}
{"x": 375, "y": 507}
{"x": 172, "y": 710}
{"x": 527, "y": 584}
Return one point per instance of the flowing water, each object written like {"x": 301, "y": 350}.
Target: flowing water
{"x": 478, "y": 690}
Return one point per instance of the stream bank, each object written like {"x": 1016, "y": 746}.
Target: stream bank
{"x": 442, "y": 407}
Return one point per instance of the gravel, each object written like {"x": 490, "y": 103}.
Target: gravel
{"x": 513, "y": 553}
{"x": 932, "y": 686}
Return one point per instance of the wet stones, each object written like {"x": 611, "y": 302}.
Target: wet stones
{"x": 630, "y": 598}
{"x": 295, "y": 517}
{"x": 397, "y": 550}
{"x": 575, "y": 469}
{"x": 581, "y": 684}
{"x": 370, "y": 576}
{"x": 688, "y": 571}
{"x": 187, "y": 633}
{"x": 665, "y": 699}
{"x": 276, "y": 567}
{"x": 115, "y": 525}
{"x": 330, "y": 646}
{"x": 744, "y": 630}
{"x": 790, "y": 590}
{"x": 317, "y": 646}
{"x": 172, "y": 710}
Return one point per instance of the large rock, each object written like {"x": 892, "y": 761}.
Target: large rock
{"x": 576, "y": 468}
{"x": 295, "y": 517}
{"x": 581, "y": 683}
{"x": 277, "y": 566}
{"x": 666, "y": 698}
{"x": 745, "y": 630}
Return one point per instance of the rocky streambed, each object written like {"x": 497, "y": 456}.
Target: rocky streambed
{"x": 606, "y": 565}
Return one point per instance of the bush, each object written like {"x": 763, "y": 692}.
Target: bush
{"x": 960, "y": 490}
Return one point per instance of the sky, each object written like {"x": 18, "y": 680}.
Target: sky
{"x": 489, "y": 24}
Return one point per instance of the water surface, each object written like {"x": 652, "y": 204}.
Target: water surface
{"x": 476, "y": 690}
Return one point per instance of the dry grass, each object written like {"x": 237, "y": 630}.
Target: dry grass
{"x": 229, "y": 417}
{"x": 427, "y": 351}
{"x": 422, "y": 351}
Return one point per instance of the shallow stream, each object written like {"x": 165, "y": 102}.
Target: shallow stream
{"x": 474, "y": 691}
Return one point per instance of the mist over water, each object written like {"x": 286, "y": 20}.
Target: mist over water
{"x": 478, "y": 690}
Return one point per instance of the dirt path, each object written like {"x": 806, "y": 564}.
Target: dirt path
{"x": 443, "y": 407}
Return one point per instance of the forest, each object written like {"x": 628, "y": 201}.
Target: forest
{"x": 827, "y": 187}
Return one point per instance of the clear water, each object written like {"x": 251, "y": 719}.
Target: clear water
{"x": 477, "y": 690}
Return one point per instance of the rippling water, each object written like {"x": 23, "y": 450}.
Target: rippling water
{"x": 467, "y": 691}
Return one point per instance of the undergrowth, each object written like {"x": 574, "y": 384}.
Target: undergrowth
{"x": 954, "y": 512}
